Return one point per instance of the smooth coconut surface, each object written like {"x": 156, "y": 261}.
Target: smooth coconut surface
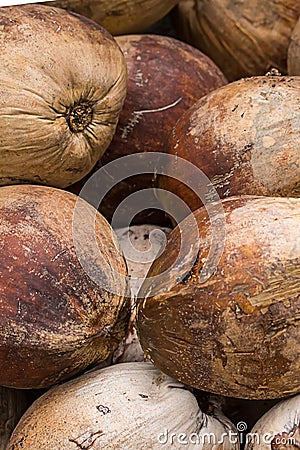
{"x": 165, "y": 78}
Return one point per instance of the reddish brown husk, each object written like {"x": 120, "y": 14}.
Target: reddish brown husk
{"x": 244, "y": 38}
{"x": 237, "y": 334}
{"x": 54, "y": 320}
{"x": 244, "y": 137}
{"x": 165, "y": 78}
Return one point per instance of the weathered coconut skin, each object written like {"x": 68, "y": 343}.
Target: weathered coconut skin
{"x": 293, "y": 60}
{"x": 120, "y": 16}
{"x": 236, "y": 334}
{"x": 54, "y": 320}
{"x": 127, "y": 406}
{"x": 165, "y": 78}
{"x": 243, "y": 38}
{"x": 60, "y": 94}
{"x": 245, "y": 137}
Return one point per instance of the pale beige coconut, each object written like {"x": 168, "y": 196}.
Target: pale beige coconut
{"x": 128, "y": 406}
{"x": 277, "y": 429}
{"x": 62, "y": 86}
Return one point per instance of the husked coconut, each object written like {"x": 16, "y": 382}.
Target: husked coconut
{"x": 56, "y": 317}
{"x": 235, "y": 331}
{"x": 62, "y": 86}
{"x": 127, "y": 406}
{"x": 245, "y": 137}
{"x": 242, "y": 37}
{"x": 277, "y": 429}
{"x": 120, "y": 16}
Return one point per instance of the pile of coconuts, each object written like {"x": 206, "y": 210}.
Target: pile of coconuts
{"x": 150, "y": 225}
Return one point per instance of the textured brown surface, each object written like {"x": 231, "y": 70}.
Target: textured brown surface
{"x": 54, "y": 320}
{"x": 245, "y": 137}
{"x": 120, "y": 16}
{"x": 237, "y": 334}
{"x": 60, "y": 94}
{"x": 165, "y": 78}
{"x": 242, "y": 37}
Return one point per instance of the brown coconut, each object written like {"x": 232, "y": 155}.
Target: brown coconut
{"x": 242, "y": 37}
{"x": 62, "y": 85}
{"x": 55, "y": 317}
{"x": 237, "y": 332}
{"x": 165, "y": 78}
{"x": 245, "y": 137}
{"x": 120, "y": 16}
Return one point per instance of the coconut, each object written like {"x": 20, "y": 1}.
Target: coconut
{"x": 120, "y": 17}
{"x": 64, "y": 297}
{"x": 244, "y": 137}
{"x": 228, "y": 325}
{"x": 243, "y": 38}
{"x": 62, "y": 86}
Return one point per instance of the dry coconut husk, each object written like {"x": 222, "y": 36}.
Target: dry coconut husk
{"x": 165, "y": 78}
{"x": 120, "y": 16}
{"x": 56, "y": 318}
{"x": 236, "y": 332}
{"x": 62, "y": 86}
{"x": 244, "y": 137}
{"x": 243, "y": 38}
{"x": 128, "y": 406}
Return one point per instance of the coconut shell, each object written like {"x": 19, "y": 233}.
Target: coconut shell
{"x": 120, "y": 16}
{"x": 62, "y": 85}
{"x": 237, "y": 332}
{"x": 278, "y": 428}
{"x": 243, "y": 38}
{"x": 245, "y": 137}
{"x": 127, "y": 406}
{"x": 165, "y": 78}
{"x": 55, "y": 320}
